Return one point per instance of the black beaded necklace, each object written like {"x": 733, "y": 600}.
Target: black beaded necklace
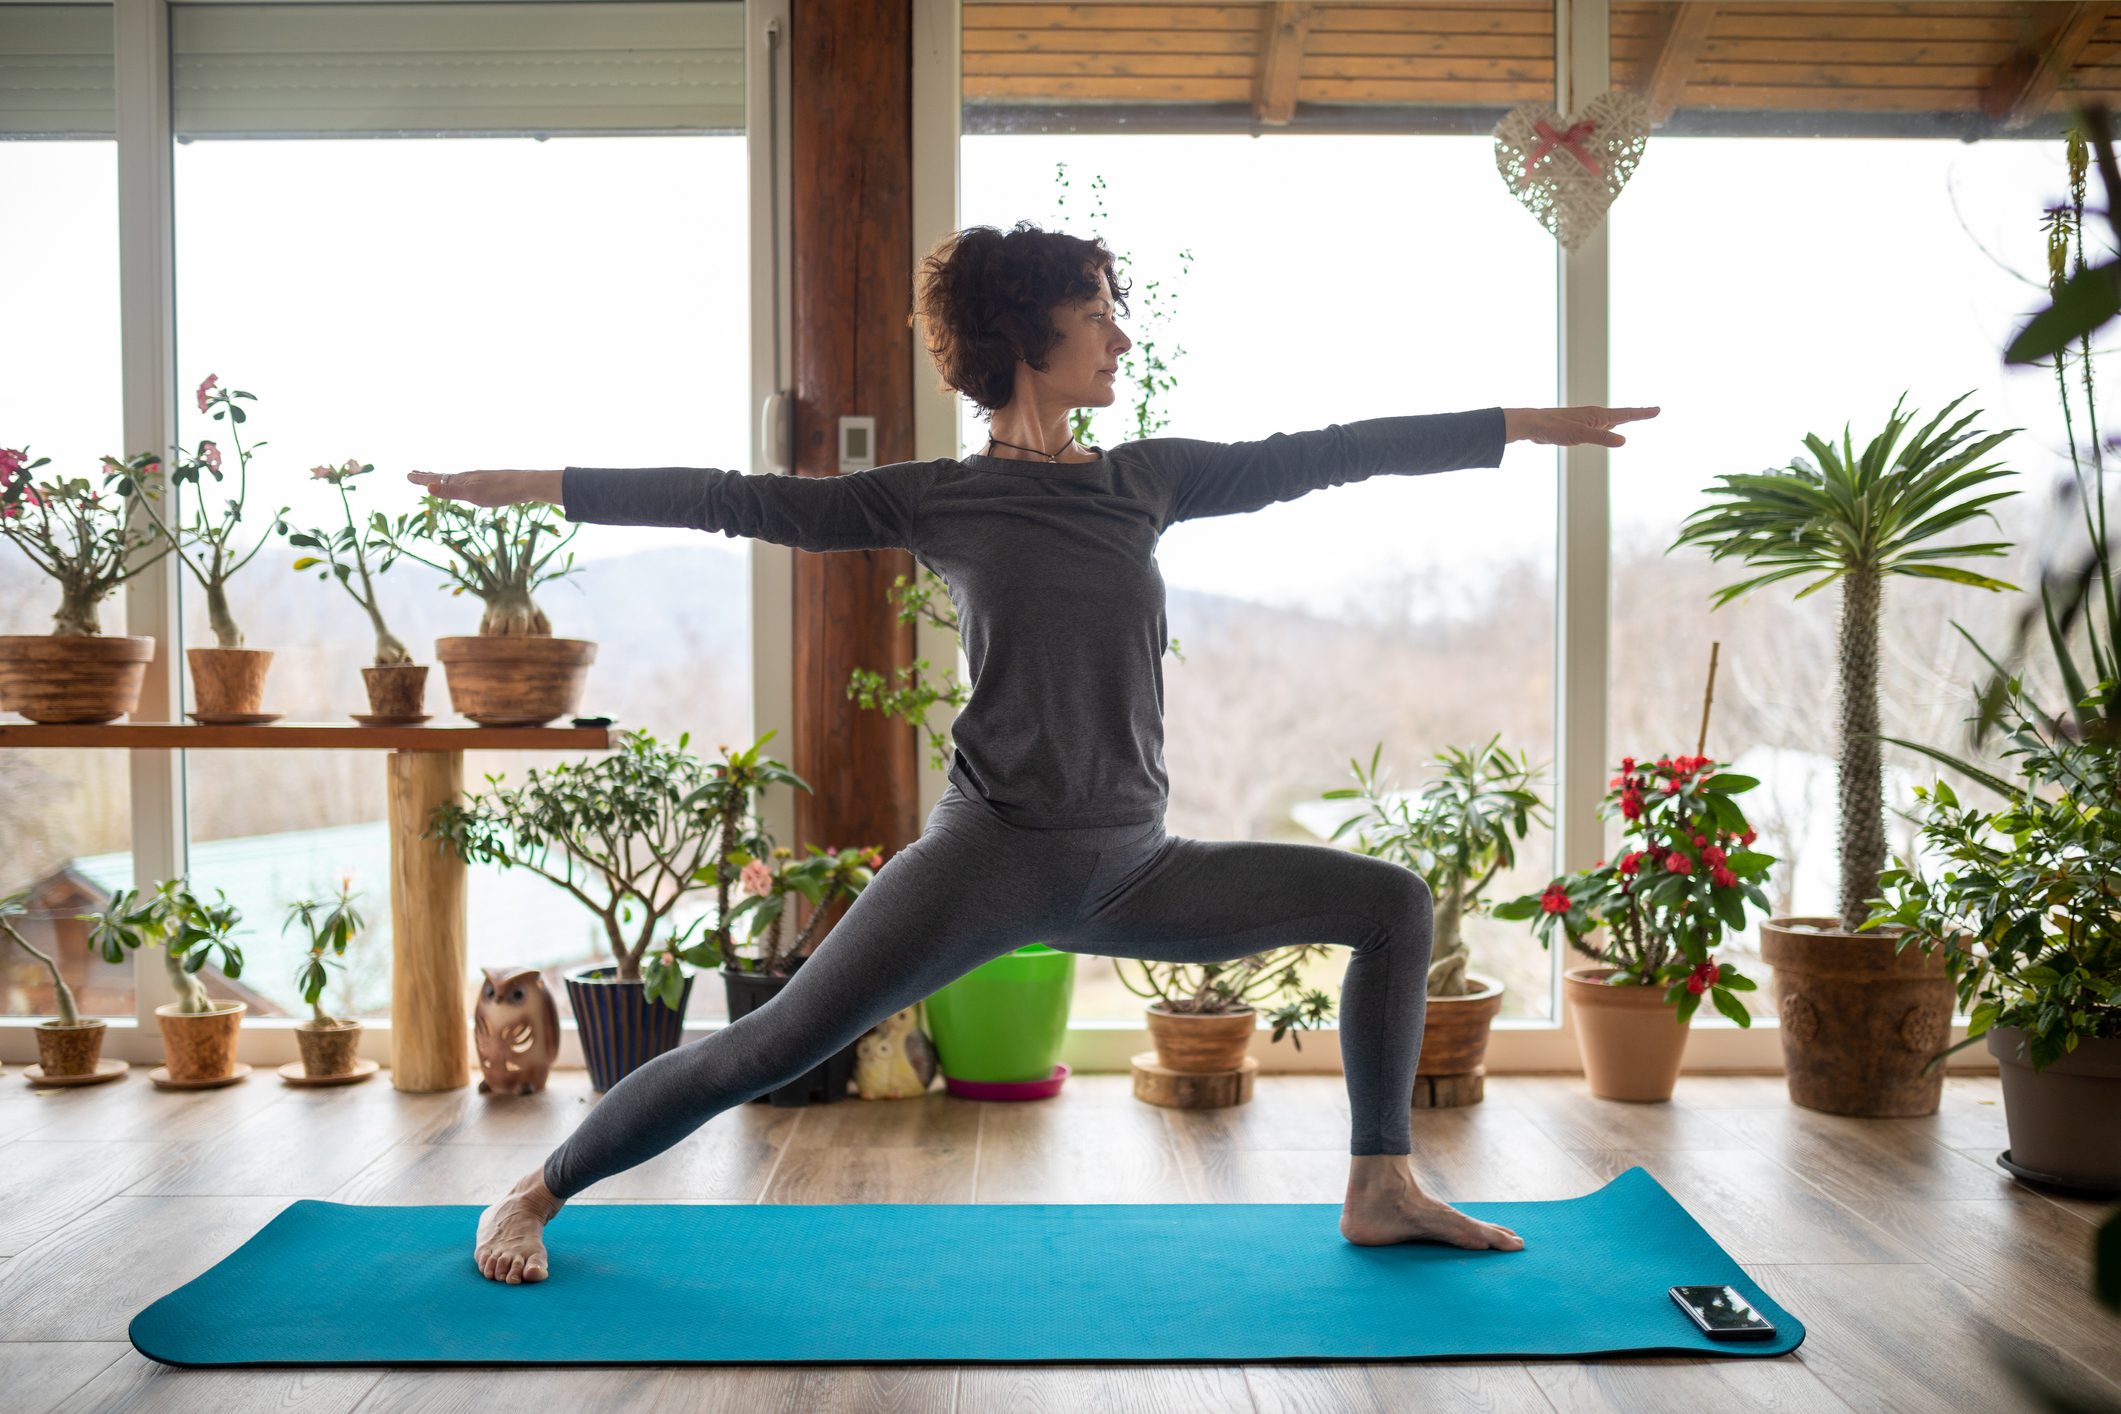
{"x": 1049, "y": 456}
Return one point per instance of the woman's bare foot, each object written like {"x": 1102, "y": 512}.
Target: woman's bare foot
{"x": 510, "y": 1245}
{"x": 1385, "y": 1205}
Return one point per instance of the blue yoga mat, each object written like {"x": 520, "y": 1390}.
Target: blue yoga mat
{"x": 669, "y": 1284}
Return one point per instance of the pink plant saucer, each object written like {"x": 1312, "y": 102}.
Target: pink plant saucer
{"x": 1008, "y": 1089}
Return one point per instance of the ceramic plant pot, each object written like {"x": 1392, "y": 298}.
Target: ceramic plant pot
{"x": 515, "y": 681}
{"x": 1629, "y": 1037}
{"x": 396, "y": 691}
{"x": 228, "y": 684}
{"x": 1201, "y": 1044}
{"x": 200, "y": 1045}
{"x": 1859, "y": 1020}
{"x": 66, "y": 1051}
{"x": 70, "y": 679}
{"x": 328, "y": 1050}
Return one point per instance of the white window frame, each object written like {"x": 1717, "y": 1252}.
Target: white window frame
{"x": 148, "y": 332}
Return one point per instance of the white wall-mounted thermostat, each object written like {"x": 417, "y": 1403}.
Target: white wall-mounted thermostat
{"x": 857, "y": 443}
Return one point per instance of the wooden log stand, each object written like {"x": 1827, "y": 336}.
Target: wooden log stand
{"x": 1442, "y": 1092}
{"x": 430, "y": 1026}
{"x": 1192, "y": 1090}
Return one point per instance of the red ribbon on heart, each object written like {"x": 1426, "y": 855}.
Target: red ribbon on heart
{"x": 1570, "y": 140}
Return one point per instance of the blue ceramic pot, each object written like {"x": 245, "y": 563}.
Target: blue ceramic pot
{"x": 621, "y": 1028}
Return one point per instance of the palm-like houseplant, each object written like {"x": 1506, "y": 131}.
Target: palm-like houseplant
{"x": 1857, "y": 521}
{"x": 198, "y": 1033}
{"x": 1459, "y": 833}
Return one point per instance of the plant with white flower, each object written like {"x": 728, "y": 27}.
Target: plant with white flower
{"x": 354, "y": 554}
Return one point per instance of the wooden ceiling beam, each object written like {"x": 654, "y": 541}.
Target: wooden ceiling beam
{"x": 1661, "y": 77}
{"x": 1281, "y": 60}
{"x": 2026, "y": 82}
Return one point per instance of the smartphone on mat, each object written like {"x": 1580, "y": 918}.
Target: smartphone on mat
{"x": 1722, "y": 1313}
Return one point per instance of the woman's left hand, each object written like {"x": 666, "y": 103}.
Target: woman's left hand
{"x": 1570, "y": 427}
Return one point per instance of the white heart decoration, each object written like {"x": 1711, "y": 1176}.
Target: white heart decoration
{"x": 1576, "y": 168}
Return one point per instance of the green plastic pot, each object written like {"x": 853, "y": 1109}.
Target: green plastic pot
{"x": 1005, "y": 1019}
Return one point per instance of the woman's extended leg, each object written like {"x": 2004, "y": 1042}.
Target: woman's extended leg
{"x": 967, "y": 891}
{"x": 1168, "y": 898}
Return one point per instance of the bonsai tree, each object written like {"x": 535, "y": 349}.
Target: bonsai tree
{"x": 493, "y": 552}
{"x": 1665, "y": 904}
{"x": 142, "y": 478}
{"x": 1216, "y": 988}
{"x": 630, "y": 834}
{"x": 345, "y": 554}
{"x": 328, "y": 938}
{"x": 1462, "y": 833}
{"x": 824, "y": 878}
{"x": 71, "y": 532}
{"x": 191, "y": 932}
{"x": 1857, "y": 521}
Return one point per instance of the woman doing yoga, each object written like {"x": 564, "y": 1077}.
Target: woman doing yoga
{"x": 1052, "y": 826}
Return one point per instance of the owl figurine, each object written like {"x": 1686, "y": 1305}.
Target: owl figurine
{"x": 516, "y": 1028}
{"x": 894, "y": 1060}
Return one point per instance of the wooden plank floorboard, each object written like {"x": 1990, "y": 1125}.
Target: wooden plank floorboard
{"x": 1906, "y": 1250}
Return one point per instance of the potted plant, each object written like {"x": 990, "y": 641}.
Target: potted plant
{"x": 1005, "y": 1023}
{"x": 71, "y": 532}
{"x": 330, "y": 1047}
{"x": 1463, "y": 832}
{"x": 198, "y": 1033}
{"x": 70, "y": 1045}
{"x": 1664, "y": 906}
{"x": 513, "y": 672}
{"x": 630, "y": 835}
{"x": 1202, "y": 1015}
{"x": 397, "y": 686}
{"x": 2023, "y": 913}
{"x": 228, "y": 680}
{"x": 1858, "y": 1013}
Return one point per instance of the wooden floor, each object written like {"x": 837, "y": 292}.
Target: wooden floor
{"x": 1904, "y": 1248}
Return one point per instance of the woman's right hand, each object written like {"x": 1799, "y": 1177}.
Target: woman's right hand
{"x": 490, "y": 488}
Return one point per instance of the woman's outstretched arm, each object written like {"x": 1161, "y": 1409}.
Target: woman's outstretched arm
{"x": 1229, "y": 478}
{"x": 858, "y": 510}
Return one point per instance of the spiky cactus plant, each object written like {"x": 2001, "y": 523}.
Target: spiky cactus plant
{"x": 1858, "y": 520}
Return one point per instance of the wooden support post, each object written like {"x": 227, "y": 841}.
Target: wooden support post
{"x": 430, "y": 1035}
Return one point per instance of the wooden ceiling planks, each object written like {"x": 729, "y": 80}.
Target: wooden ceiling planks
{"x": 2011, "y": 62}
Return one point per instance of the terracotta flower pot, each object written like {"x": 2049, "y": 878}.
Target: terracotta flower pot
{"x": 1859, "y": 1021}
{"x": 70, "y": 1050}
{"x": 2065, "y": 1121}
{"x": 396, "y": 690}
{"x": 517, "y": 681}
{"x": 66, "y": 678}
{"x": 1201, "y": 1044}
{"x": 328, "y": 1050}
{"x": 1629, "y": 1036}
{"x": 227, "y": 683}
{"x": 200, "y": 1045}
{"x": 1454, "y": 1034}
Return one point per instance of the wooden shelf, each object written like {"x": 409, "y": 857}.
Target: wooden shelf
{"x": 277, "y": 736}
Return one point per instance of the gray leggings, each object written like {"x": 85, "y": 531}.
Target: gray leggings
{"x": 974, "y": 887}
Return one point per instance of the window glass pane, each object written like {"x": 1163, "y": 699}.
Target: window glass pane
{"x": 475, "y": 302}
{"x": 1912, "y": 259}
{"x": 1409, "y": 611}
{"x": 65, "y": 831}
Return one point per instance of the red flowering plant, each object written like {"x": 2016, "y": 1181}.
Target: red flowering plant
{"x": 1684, "y": 875}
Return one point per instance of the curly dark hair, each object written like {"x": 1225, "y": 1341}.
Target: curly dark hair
{"x": 986, "y": 298}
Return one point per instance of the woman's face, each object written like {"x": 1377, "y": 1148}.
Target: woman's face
{"x": 1082, "y": 370}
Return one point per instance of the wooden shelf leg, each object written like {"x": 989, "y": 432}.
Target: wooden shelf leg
{"x": 430, "y": 1035}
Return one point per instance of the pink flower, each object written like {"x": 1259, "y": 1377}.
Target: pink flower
{"x": 1712, "y": 855}
{"x": 1555, "y": 899}
{"x": 1724, "y": 878}
{"x": 323, "y": 473}
{"x": 876, "y": 861}
{"x": 1678, "y": 863}
{"x": 211, "y": 454}
{"x": 10, "y": 461}
{"x": 1707, "y": 975}
{"x": 211, "y": 379}
{"x": 757, "y": 878}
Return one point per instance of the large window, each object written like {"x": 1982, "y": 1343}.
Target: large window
{"x": 575, "y": 292}
{"x": 64, "y": 821}
{"x": 1412, "y": 612}
{"x": 1905, "y": 266}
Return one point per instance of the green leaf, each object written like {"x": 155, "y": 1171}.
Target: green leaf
{"x": 1729, "y": 784}
{"x": 1730, "y": 1006}
{"x": 2086, "y": 301}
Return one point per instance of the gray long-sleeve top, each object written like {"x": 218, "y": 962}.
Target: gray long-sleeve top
{"x": 1052, "y": 567}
